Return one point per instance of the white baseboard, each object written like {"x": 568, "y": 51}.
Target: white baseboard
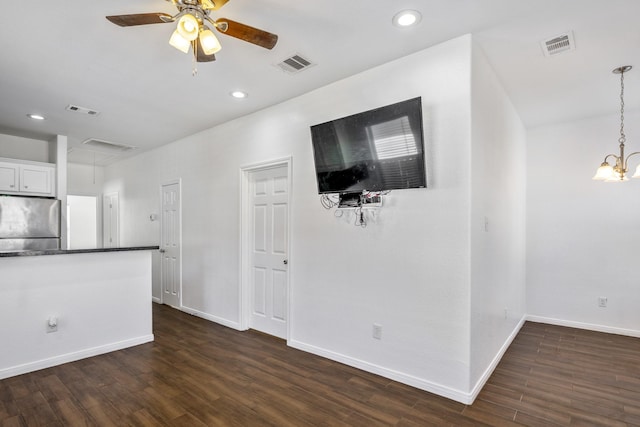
{"x": 72, "y": 357}
{"x": 422, "y": 384}
{"x": 494, "y": 363}
{"x": 581, "y": 325}
{"x": 156, "y": 300}
{"x": 416, "y": 382}
{"x": 215, "y": 319}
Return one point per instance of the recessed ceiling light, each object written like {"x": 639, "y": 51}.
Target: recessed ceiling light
{"x": 35, "y": 116}
{"x": 239, "y": 94}
{"x": 407, "y": 18}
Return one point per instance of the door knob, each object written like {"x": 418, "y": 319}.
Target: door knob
{"x": 162, "y": 251}
{"x": 285, "y": 262}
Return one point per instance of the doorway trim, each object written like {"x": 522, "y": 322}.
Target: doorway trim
{"x": 245, "y": 246}
{"x": 112, "y": 195}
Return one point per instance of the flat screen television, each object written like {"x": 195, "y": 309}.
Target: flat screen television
{"x": 376, "y": 150}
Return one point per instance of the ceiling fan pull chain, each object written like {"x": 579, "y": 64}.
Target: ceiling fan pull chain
{"x": 194, "y": 70}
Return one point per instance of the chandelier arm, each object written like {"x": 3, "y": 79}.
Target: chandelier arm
{"x": 626, "y": 162}
{"x": 614, "y": 156}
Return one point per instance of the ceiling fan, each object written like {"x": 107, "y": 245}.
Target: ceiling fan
{"x": 192, "y": 31}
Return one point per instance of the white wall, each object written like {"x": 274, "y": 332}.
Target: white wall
{"x": 84, "y": 180}
{"x": 582, "y": 235}
{"x": 413, "y": 268}
{"x": 85, "y": 292}
{"x": 137, "y": 182}
{"x": 497, "y": 219}
{"x": 408, "y": 270}
{"x": 15, "y": 147}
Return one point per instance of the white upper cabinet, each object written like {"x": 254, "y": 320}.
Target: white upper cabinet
{"x": 27, "y": 178}
{"x": 36, "y": 179}
{"x": 8, "y": 177}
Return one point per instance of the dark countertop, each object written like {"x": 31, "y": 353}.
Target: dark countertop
{"x": 75, "y": 251}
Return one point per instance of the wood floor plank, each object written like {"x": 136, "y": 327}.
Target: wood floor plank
{"x": 71, "y": 413}
{"x": 41, "y": 415}
{"x": 53, "y": 389}
{"x": 197, "y": 373}
{"x": 104, "y": 414}
{"x": 143, "y": 418}
{"x": 15, "y": 421}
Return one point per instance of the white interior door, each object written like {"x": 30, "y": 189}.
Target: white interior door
{"x": 269, "y": 229}
{"x": 110, "y": 220}
{"x": 170, "y": 241}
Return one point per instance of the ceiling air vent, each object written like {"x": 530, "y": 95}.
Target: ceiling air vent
{"x": 82, "y": 110}
{"x": 558, "y": 44}
{"x": 106, "y": 146}
{"x": 294, "y": 64}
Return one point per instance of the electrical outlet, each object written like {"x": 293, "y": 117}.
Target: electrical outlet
{"x": 52, "y": 324}
{"x": 377, "y": 331}
{"x": 602, "y": 302}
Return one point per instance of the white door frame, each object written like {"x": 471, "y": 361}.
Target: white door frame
{"x": 245, "y": 238}
{"x": 117, "y": 217}
{"x": 162, "y": 185}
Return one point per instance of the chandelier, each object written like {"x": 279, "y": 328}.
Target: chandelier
{"x": 618, "y": 172}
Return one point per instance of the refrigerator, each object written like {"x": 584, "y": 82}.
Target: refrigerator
{"x": 29, "y": 223}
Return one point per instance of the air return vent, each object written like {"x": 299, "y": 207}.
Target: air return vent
{"x": 100, "y": 145}
{"x": 294, "y": 64}
{"x": 558, "y": 44}
{"x": 82, "y": 110}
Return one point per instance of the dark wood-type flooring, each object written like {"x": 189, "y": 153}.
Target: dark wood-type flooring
{"x": 198, "y": 373}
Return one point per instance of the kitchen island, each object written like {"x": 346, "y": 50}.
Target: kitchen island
{"x": 98, "y": 300}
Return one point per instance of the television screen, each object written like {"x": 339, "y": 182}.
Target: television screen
{"x": 376, "y": 150}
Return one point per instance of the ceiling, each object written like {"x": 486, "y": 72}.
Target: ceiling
{"x": 60, "y": 53}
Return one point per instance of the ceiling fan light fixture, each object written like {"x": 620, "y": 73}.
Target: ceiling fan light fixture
{"x": 191, "y": 33}
{"x": 208, "y": 4}
{"x": 188, "y": 27}
{"x": 179, "y": 42}
{"x": 209, "y": 41}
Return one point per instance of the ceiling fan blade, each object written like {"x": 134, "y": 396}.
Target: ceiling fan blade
{"x": 246, "y": 33}
{"x": 200, "y": 55}
{"x": 140, "y": 19}
{"x": 213, "y": 4}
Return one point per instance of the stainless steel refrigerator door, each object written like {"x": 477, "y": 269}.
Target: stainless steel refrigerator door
{"x": 11, "y": 245}
{"x": 29, "y": 217}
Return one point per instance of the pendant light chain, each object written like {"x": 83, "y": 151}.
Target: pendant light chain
{"x": 623, "y": 137}
{"x": 194, "y": 63}
{"x": 618, "y": 171}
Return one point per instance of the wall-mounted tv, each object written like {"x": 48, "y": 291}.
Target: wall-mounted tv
{"x": 376, "y": 150}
